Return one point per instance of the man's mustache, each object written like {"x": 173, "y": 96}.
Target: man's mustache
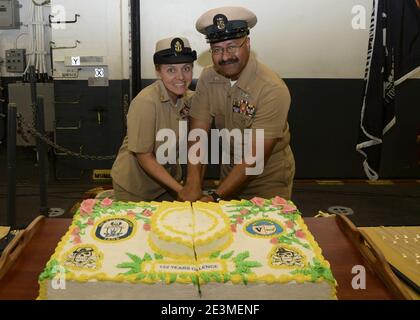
{"x": 229, "y": 61}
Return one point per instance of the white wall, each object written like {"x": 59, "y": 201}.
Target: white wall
{"x": 8, "y": 37}
{"x": 297, "y": 38}
{"x": 102, "y": 30}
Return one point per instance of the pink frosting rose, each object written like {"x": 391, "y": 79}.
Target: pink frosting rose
{"x": 77, "y": 240}
{"x": 146, "y": 227}
{"x": 75, "y": 231}
{"x": 147, "y": 213}
{"x": 86, "y": 207}
{"x": 90, "y": 222}
{"x": 131, "y": 213}
{"x": 274, "y": 240}
{"x": 258, "y": 201}
{"x": 278, "y": 201}
{"x": 106, "y": 202}
{"x": 290, "y": 224}
{"x": 239, "y": 220}
{"x": 244, "y": 211}
{"x": 300, "y": 234}
{"x": 288, "y": 208}
{"x": 233, "y": 227}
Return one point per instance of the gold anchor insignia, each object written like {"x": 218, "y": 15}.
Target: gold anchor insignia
{"x": 178, "y": 47}
{"x": 220, "y": 24}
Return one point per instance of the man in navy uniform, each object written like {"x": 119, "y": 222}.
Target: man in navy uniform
{"x": 239, "y": 92}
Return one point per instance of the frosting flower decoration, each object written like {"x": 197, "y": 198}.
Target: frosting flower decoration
{"x": 77, "y": 240}
{"x": 146, "y": 227}
{"x": 274, "y": 240}
{"x": 147, "y": 213}
{"x": 278, "y": 201}
{"x": 244, "y": 211}
{"x": 300, "y": 234}
{"x": 106, "y": 202}
{"x": 290, "y": 224}
{"x": 75, "y": 231}
{"x": 233, "y": 227}
{"x": 86, "y": 207}
{"x": 239, "y": 220}
{"x": 131, "y": 214}
{"x": 258, "y": 201}
{"x": 288, "y": 208}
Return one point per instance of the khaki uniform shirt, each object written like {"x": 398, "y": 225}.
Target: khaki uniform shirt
{"x": 149, "y": 112}
{"x": 266, "y": 97}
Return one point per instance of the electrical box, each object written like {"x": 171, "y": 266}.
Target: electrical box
{"x": 9, "y": 14}
{"x": 16, "y": 60}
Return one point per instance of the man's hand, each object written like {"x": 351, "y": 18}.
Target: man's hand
{"x": 206, "y": 199}
{"x": 190, "y": 192}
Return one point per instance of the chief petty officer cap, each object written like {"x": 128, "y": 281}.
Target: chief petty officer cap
{"x": 226, "y": 23}
{"x": 174, "y": 50}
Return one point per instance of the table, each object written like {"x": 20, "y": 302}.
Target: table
{"x": 21, "y": 281}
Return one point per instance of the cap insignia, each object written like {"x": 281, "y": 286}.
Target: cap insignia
{"x": 177, "y": 46}
{"x": 220, "y": 21}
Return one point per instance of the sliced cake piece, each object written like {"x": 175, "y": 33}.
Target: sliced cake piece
{"x": 106, "y": 253}
{"x": 273, "y": 255}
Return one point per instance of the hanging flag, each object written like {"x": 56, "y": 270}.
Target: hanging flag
{"x": 393, "y": 57}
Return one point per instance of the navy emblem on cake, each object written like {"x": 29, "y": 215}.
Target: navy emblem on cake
{"x": 263, "y": 228}
{"x": 114, "y": 229}
{"x": 283, "y": 256}
{"x": 86, "y": 257}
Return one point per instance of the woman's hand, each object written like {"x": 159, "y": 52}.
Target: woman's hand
{"x": 190, "y": 192}
{"x": 154, "y": 169}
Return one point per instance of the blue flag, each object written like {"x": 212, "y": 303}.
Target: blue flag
{"x": 393, "y": 57}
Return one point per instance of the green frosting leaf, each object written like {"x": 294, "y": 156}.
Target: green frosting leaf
{"x": 140, "y": 276}
{"x": 242, "y": 256}
{"x": 152, "y": 276}
{"x": 316, "y": 270}
{"x": 135, "y": 258}
{"x": 194, "y": 279}
{"x": 227, "y": 255}
{"x": 51, "y": 270}
{"x": 244, "y": 279}
{"x": 226, "y": 277}
{"x": 158, "y": 256}
{"x": 162, "y": 277}
{"x": 172, "y": 277}
{"x": 252, "y": 264}
{"x": 128, "y": 265}
{"x": 214, "y": 255}
{"x": 205, "y": 277}
{"x": 147, "y": 257}
{"x": 215, "y": 276}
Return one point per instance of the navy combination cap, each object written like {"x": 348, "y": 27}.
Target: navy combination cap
{"x": 174, "y": 50}
{"x": 226, "y": 23}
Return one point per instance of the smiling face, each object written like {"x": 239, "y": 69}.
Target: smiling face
{"x": 176, "y": 78}
{"x": 231, "y": 56}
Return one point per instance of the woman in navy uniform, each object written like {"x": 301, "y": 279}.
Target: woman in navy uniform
{"x": 137, "y": 174}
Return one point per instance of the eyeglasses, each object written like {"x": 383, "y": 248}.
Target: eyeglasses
{"x": 216, "y": 51}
